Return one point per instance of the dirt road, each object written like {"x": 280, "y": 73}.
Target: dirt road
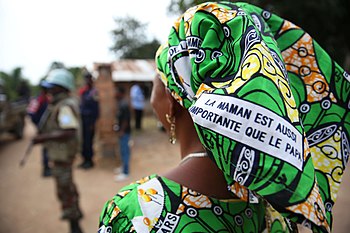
{"x": 28, "y": 203}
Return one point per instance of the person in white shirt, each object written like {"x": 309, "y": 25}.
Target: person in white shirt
{"x": 138, "y": 104}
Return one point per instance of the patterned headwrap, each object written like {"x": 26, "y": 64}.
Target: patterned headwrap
{"x": 268, "y": 103}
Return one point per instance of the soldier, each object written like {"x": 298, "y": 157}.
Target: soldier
{"x": 35, "y": 110}
{"x": 89, "y": 112}
{"x": 60, "y": 132}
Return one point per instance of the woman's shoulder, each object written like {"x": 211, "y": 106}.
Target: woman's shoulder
{"x": 120, "y": 211}
{"x": 130, "y": 191}
{"x": 154, "y": 203}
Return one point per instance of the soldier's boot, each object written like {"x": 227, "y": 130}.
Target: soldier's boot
{"x": 75, "y": 227}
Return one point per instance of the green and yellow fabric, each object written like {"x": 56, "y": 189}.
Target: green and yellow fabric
{"x": 269, "y": 104}
{"x": 157, "y": 204}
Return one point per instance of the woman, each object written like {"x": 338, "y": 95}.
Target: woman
{"x": 269, "y": 106}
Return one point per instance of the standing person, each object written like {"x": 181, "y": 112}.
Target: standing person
{"x": 35, "y": 110}
{"x": 23, "y": 90}
{"x": 268, "y": 105}
{"x": 89, "y": 111}
{"x": 138, "y": 104}
{"x": 60, "y": 134}
{"x": 123, "y": 130}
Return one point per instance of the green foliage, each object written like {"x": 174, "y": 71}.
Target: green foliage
{"x": 177, "y": 7}
{"x": 15, "y": 86}
{"x": 131, "y": 40}
{"x": 325, "y": 20}
{"x": 56, "y": 65}
{"x": 78, "y": 75}
{"x": 34, "y": 90}
{"x": 76, "y": 71}
{"x": 147, "y": 50}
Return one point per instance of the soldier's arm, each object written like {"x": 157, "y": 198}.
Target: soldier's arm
{"x": 54, "y": 135}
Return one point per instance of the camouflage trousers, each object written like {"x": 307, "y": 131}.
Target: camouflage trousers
{"x": 66, "y": 190}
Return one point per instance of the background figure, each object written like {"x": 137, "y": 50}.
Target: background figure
{"x": 35, "y": 110}
{"x": 138, "y": 104}
{"x": 60, "y": 134}
{"x": 89, "y": 110}
{"x": 23, "y": 91}
{"x": 123, "y": 129}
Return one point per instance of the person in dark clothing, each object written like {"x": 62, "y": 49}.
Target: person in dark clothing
{"x": 89, "y": 110}
{"x": 23, "y": 91}
{"x": 123, "y": 129}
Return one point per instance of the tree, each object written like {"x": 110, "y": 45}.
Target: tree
{"x": 15, "y": 85}
{"x": 325, "y": 20}
{"x": 77, "y": 72}
{"x": 131, "y": 40}
{"x": 177, "y": 7}
{"x": 57, "y": 65}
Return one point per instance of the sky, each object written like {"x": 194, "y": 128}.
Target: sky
{"x": 35, "y": 33}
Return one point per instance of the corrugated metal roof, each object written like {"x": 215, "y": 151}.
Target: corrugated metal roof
{"x": 126, "y": 70}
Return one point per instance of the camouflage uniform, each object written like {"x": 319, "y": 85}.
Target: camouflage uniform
{"x": 64, "y": 114}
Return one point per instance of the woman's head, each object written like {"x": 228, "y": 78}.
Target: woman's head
{"x": 164, "y": 101}
{"x": 175, "y": 119}
{"x": 231, "y": 63}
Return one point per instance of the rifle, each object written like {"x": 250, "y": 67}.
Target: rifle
{"x": 30, "y": 146}
{"x": 26, "y": 154}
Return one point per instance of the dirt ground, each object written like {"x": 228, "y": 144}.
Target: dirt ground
{"x": 28, "y": 203}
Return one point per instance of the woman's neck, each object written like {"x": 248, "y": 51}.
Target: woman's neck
{"x": 198, "y": 173}
{"x": 201, "y": 175}
{"x": 187, "y": 138}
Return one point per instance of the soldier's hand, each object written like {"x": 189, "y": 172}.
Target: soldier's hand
{"x": 37, "y": 139}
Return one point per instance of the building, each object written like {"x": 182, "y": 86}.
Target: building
{"x": 109, "y": 75}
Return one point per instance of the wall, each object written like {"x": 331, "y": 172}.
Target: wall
{"x": 106, "y": 90}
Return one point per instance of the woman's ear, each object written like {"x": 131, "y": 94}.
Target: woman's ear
{"x": 171, "y": 107}
{"x": 174, "y": 106}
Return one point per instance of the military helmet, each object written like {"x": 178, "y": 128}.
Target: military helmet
{"x": 60, "y": 77}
